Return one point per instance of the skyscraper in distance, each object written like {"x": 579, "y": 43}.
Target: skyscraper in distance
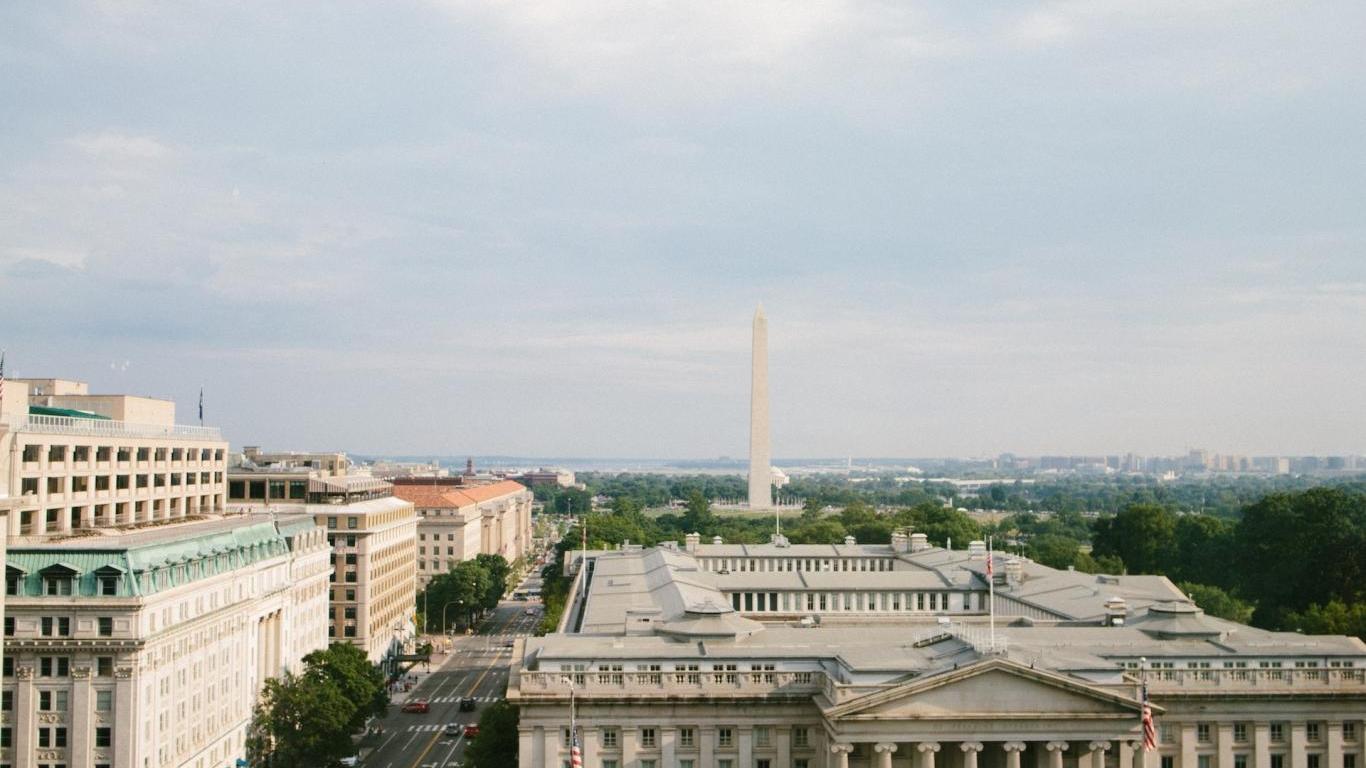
{"x": 760, "y": 455}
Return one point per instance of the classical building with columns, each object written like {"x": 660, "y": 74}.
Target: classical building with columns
{"x": 806, "y": 656}
{"x": 458, "y": 519}
{"x": 148, "y": 647}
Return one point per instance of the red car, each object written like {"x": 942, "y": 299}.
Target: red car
{"x": 471, "y": 731}
{"x": 420, "y": 706}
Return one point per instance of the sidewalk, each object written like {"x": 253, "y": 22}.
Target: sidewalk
{"x": 418, "y": 675}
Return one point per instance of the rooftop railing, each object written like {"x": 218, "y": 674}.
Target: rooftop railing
{"x": 1315, "y": 679}
{"x": 670, "y": 683}
{"x": 69, "y": 425}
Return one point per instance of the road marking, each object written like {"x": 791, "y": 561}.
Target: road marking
{"x": 474, "y": 688}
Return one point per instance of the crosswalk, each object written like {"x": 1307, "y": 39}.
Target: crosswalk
{"x": 454, "y": 699}
{"x": 432, "y": 727}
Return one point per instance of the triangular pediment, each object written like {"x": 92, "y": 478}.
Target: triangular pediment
{"x": 993, "y": 689}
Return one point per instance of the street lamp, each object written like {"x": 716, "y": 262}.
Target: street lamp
{"x": 443, "y": 612}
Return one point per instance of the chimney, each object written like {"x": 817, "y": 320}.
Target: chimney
{"x": 900, "y": 543}
{"x": 717, "y": 540}
{"x": 1115, "y": 612}
{"x": 691, "y": 541}
{"x": 919, "y": 542}
{"x": 850, "y": 541}
{"x": 977, "y": 549}
{"x": 1014, "y": 571}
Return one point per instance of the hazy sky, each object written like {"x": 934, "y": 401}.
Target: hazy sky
{"x": 542, "y": 228}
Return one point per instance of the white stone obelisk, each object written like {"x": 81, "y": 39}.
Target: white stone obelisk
{"x": 760, "y": 455}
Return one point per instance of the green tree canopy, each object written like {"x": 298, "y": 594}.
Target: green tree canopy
{"x": 301, "y": 720}
{"x": 1142, "y": 535}
{"x": 359, "y": 681}
{"x": 496, "y": 746}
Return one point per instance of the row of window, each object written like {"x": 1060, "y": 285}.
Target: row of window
{"x": 54, "y": 736}
{"x": 847, "y": 601}
{"x": 59, "y": 666}
{"x": 648, "y": 737}
{"x": 787, "y": 564}
{"x": 57, "y": 454}
{"x": 688, "y": 762}
{"x": 83, "y": 483}
{"x": 57, "y": 701}
{"x": 1276, "y": 731}
{"x": 1278, "y": 760}
{"x": 60, "y": 626}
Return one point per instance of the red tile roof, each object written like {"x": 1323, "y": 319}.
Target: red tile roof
{"x": 455, "y": 497}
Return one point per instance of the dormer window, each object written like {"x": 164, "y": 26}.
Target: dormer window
{"x": 107, "y": 578}
{"x": 14, "y": 580}
{"x": 59, "y": 579}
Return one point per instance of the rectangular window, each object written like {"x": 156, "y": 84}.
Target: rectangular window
{"x": 104, "y": 701}
{"x": 761, "y": 736}
{"x": 1349, "y": 731}
{"x": 1278, "y": 731}
{"x": 9, "y": 626}
{"x": 104, "y": 737}
{"x": 647, "y": 738}
{"x": 1240, "y": 732}
{"x": 725, "y": 738}
{"x": 106, "y": 626}
{"x": 6, "y": 701}
{"x": 1202, "y": 761}
{"x": 1312, "y": 760}
{"x": 1168, "y": 762}
{"x": 1240, "y": 761}
{"x": 801, "y": 738}
{"x": 1278, "y": 761}
{"x": 1349, "y": 760}
{"x": 1202, "y": 734}
{"x": 686, "y": 738}
{"x": 1311, "y": 731}
{"x": 104, "y": 666}
{"x": 609, "y": 738}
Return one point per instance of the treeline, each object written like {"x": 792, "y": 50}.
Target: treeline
{"x": 1288, "y": 560}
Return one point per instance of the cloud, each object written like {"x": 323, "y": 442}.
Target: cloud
{"x": 121, "y": 146}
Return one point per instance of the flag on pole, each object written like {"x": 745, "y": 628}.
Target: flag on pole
{"x": 575, "y": 755}
{"x": 1149, "y": 727}
{"x": 201, "y": 406}
{"x": 2, "y": 374}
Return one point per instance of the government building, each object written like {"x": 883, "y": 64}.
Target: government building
{"x": 458, "y": 519}
{"x": 886, "y": 656}
{"x": 371, "y": 532}
{"x": 141, "y": 617}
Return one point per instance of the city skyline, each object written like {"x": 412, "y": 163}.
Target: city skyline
{"x": 443, "y": 228}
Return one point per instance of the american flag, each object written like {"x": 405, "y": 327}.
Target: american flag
{"x": 2, "y": 374}
{"x": 1149, "y": 727}
{"x": 575, "y": 755}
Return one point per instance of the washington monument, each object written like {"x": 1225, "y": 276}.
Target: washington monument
{"x": 760, "y": 455}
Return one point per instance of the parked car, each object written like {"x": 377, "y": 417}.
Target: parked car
{"x": 350, "y": 762}
{"x": 471, "y": 731}
{"x": 467, "y": 704}
{"x": 419, "y": 706}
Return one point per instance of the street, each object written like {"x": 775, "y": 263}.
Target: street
{"x": 476, "y": 666}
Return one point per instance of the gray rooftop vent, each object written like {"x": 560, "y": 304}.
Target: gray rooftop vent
{"x": 717, "y": 540}
{"x": 977, "y": 548}
{"x": 850, "y": 541}
{"x": 919, "y": 542}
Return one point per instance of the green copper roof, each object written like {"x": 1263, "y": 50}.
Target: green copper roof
{"x": 43, "y": 410}
{"x": 144, "y": 569}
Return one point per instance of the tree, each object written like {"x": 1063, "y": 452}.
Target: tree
{"x": 496, "y": 746}
{"x": 1204, "y": 548}
{"x": 1053, "y": 550}
{"x": 497, "y": 568}
{"x": 1142, "y": 535}
{"x": 812, "y": 509}
{"x": 359, "y": 681}
{"x": 301, "y": 720}
{"x": 1216, "y": 602}
{"x": 818, "y": 532}
{"x": 699, "y": 516}
{"x": 1294, "y": 550}
{"x": 1335, "y": 618}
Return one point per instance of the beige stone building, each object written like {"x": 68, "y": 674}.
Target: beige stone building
{"x": 75, "y": 461}
{"x": 458, "y": 521}
{"x": 140, "y": 620}
{"x": 372, "y": 533}
{"x": 775, "y": 656}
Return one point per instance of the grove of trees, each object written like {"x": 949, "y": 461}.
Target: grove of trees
{"x": 469, "y": 589}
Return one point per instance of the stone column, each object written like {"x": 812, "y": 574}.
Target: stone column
{"x": 782, "y": 741}
{"x": 551, "y": 751}
{"x": 81, "y": 736}
{"x": 1126, "y": 754}
{"x": 970, "y": 750}
{"x": 706, "y": 745}
{"x": 1333, "y": 744}
{"x": 1261, "y": 745}
{"x": 628, "y": 738}
{"x": 927, "y": 750}
{"x": 1188, "y": 745}
{"x": 839, "y": 752}
{"x": 590, "y": 741}
{"x": 1098, "y": 750}
{"x": 1055, "y": 750}
{"x": 1013, "y": 750}
{"x": 744, "y": 746}
{"x": 1298, "y": 742}
{"x": 1225, "y": 743}
{"x": 526, "y": 750}
{"x": 125, "y": 690}
{"x": 25, "y": 733}
{"x": 884, "y": 750}
{"x": 668, "y": 738}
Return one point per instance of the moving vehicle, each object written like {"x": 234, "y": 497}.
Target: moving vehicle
{"x": 418, "y": 706}
{"x": 467, "y": 704}
{"x": 471, "y": 731}
{"x": 531, "y": 611}
{"x": 452, "y": 730}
